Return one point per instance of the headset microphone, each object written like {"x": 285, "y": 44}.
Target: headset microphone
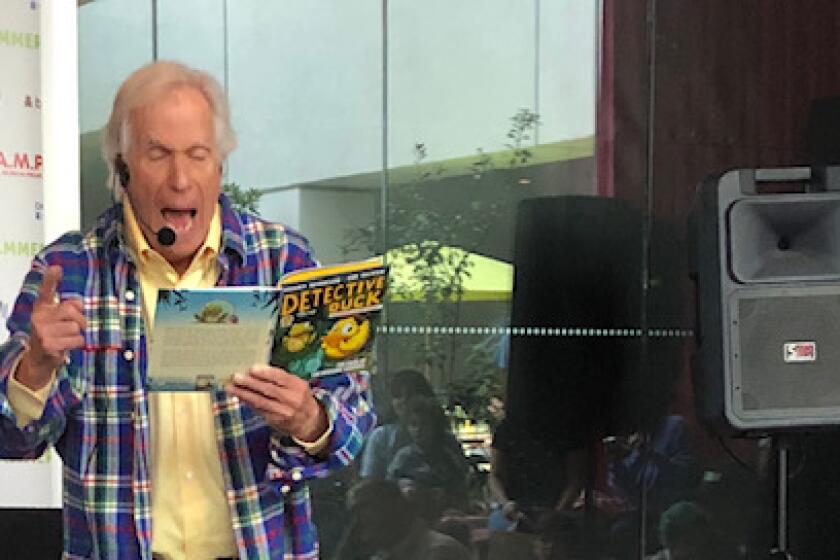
{"x": 166, "y": 235}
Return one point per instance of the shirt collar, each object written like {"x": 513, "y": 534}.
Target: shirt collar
{"x": 111, "y": 225}
{"x": 232, "y": 229}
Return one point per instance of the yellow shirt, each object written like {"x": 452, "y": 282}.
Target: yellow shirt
{"x": 190, "y": 515}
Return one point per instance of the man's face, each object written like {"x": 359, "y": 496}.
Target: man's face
{"x": 175, "y": 169}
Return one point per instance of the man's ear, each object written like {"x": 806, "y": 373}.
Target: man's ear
{"x": 121, "y": 167}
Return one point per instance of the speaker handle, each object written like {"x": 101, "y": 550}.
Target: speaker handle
{"x": 799, "y": 179}
{"x": 826, "y": 176}
{"x": 782, "y": 174}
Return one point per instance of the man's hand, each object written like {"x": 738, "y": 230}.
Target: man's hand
{"x": 56, "y": 328}
{"x": 284, "y": 400}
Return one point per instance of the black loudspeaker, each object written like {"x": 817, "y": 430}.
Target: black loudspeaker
{"x": 767, "y": 272}
{"x": 31, "y": 533}
{"x": 575, "y": 311}
{"x": 822, "y": 133}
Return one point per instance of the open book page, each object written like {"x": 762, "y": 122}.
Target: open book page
{"x": 202, "y": 337}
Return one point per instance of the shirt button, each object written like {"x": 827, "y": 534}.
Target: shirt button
{"x": 297, "y": 476}
{"x": 129, "y": 295}
{"x": 189, "y": 475}
{"x": 128, "y": 355}
{"x": 285, "y": 489}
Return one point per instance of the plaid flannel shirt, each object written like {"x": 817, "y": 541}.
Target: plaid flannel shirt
{"x": 97, "y": 414}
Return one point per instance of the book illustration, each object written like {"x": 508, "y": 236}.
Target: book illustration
{"x": 319, "y": 321}
{"x": 346, "y": 337}
{"x": 298, "y": 337}
{"x": 326, "y": 319}
{"x": 217, "y": 312}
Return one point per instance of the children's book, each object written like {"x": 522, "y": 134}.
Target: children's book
{"x": 318, "y": 321}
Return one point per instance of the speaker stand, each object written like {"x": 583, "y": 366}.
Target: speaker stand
{"x": 781, "y": 551}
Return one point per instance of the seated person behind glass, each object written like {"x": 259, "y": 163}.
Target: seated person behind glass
{"x": 429, "y": 463}
{"x": 386, "y": 439}
{"x": 385, "y": 525}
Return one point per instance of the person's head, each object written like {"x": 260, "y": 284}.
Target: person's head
{"x": 425, "y": 421}
{"x": 685, "y": 530}
{"x": 383, "y": 516}
{"x": 496, "y": 407}
{"x": 405, "y": 384}
{"x": 164, "y": 144}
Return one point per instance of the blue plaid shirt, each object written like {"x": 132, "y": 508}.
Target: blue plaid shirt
{"x": 97, "y": 414}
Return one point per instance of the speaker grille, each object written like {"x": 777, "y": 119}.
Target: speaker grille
{"x": 765, "y": 382}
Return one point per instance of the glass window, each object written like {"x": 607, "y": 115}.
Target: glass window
{"x": 115, "y": 38}
{"x": 529, "y": 171}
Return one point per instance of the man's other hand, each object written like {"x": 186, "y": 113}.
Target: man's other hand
{"x": 284, "y": 400}
{"x": 56, "y": 328}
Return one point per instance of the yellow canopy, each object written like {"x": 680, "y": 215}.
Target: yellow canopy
{"x": 488, "y": 279}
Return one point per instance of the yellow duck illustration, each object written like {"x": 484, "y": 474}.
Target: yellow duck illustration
{"x": 298, "y": 337}
{"x": 346, "y": 337}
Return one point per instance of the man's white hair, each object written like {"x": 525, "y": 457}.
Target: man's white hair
{"x": 146, "y": 85}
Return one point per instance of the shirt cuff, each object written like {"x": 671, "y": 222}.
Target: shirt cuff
{"x": 28, "y": 405}
{"x": 315, "y": 447}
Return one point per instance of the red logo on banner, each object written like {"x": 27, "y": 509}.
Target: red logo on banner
{"x": 32, "y": 101}
{"x": 21, "y": 164}
{"x": 800, "y": 351}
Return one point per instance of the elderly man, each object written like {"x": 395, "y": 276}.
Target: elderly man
{"x": 168, "y": 475}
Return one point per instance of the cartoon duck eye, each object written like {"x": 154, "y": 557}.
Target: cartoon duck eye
{"x": 349, "y": 328}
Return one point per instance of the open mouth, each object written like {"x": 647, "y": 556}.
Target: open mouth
{"x": 179, "y": 219}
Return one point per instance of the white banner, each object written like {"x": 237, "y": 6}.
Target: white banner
{"x": 22, "y": 483}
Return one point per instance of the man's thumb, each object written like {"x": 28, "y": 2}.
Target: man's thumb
{"x": 49, "y": 284}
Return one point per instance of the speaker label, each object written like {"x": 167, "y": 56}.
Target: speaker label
{"x": 797, "y": 352}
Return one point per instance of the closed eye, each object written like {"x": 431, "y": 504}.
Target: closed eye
{"x": 198, "y": 153}
{"x": 157, "y": 153}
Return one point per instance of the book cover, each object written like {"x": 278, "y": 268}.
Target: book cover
{"x": 319, "y": 321}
